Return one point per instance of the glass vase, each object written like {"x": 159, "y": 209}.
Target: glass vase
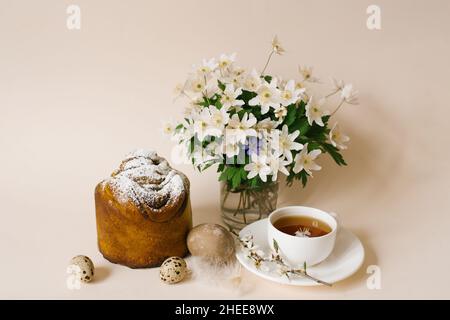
{"x": 244, "y": 205}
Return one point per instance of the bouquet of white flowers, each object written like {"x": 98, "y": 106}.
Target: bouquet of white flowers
{"x": 254, "y": 125}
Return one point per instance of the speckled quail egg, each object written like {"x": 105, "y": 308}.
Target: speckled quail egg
{"x": 211, "y": 241}
{"x": 173, "y": 270}
{"x": 83, "y": 268}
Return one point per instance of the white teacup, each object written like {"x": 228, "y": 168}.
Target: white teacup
{"x": 298, "y": 250}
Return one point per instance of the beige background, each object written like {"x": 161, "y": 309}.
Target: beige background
{"x": 72, "y": 103}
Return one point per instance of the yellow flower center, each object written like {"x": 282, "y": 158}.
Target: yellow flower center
{"x": 266, "y": 94}
{"x": 198, "y": 86}
{"x": 287, "y": 95}
{"x": 299, "y": 85}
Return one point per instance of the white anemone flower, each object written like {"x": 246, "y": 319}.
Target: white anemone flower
{"x": 307, "y": 74}
{"x": 304, "y": 160}
{"x": 338, "y": 85}
{"x": 219, "y": 117}
{"x": 277, "y": 163}
{"x": 315, "y": 111}
{"x": 253, "y": 81}
{"x": 338, "y": 138}
{"x": 201, "y": 156}
{"x": 195, "y": 87}
{"x": 258, "y": 167}
{"x": 168, "y": 128}
{"x": 207, "y": 66}
{"x": 229, "y": 97}
{"x": 191, "y": 109}
{"x": 299, "y": 85}
{"x": 276, "y": 46}
{"x": 286, "y": 142}
{"x": 231, "y": 149}
{"x": 266, "y": 128}
{"x": 214, "y": 149}
{"x": 303, "y": 232}
{"x": 349, "y": 95}
{"x": 211, "y": 87}
{"x": 187, "y": 131}
{"x": 178, "y": 91}
{"x": 290, "y": 94}
{"x": 280, "y": 112}
{"x": 203, "y": 126}
{"x": 239, "y": 129}
{"x": 268, "y": 96}
{"x": 226, "y": 61}
{"x": 266, "y": 124}
{"x": 238, "y": 71}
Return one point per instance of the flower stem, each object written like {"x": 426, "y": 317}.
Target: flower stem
{"x": 337, "y": 108}
{"x": 267, "y": 62}
{"x": 332, "y": 93}
{"x": 239, "y": 204}
{"x": 306, "y": 275}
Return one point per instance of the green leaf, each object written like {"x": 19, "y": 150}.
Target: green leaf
{"x": 304, "y": 178}
{"x": 313, "y": 145}
{"x": 192, "y": 146}
{"x": 243, "y": 173}
{"x": 275, "y": 245}
{"x": 334, "y": 153}
{"x": 223, "y": 176}
{"x": 230, "y": 172}
{"x": 218, "y": 104}
{"x": 268, "y": 78}
{"x": 301, "y": 108}
{"x": 221, "y": 85}
{"x": 291, "y": 115}
{"x": 241, "y": 114}
{"x": 318, "y": 133}
{"x": 300, "y": 124}
{"x": 236, "y": 181}
{"x": 246, "y": 96}
{"x": 212, "y": 162}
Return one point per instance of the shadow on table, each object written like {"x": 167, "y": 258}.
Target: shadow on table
{"x": 361, "y": 276}
{"x": 102, "y": 273}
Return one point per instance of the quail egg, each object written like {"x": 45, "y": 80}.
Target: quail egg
{"x": 83, "y": 267}
{"x": 173, "y": 270}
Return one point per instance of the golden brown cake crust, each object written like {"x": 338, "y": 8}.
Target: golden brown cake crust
{"x": 143, "y": 212}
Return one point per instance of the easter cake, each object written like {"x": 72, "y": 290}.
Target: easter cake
{"x": 143, "y": 212}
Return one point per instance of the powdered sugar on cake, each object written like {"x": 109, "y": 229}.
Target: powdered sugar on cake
{"x": 148, "y": 181}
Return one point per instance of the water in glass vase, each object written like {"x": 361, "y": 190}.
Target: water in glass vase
{"x": 245, "y": 204}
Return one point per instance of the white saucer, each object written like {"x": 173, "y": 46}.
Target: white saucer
{"x": 346, "y": 258}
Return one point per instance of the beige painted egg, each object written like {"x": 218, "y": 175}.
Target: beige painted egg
{"x": 83, "y": 268}
{"x": 173, "y": 270}
{"x": 211, "y": 241}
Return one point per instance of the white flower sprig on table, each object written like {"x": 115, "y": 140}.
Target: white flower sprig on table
{"x": 254, "y": 125}
{"x": 258, "y": 257}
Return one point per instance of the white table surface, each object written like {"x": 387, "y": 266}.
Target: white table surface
{"x": 72, "y": 103}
